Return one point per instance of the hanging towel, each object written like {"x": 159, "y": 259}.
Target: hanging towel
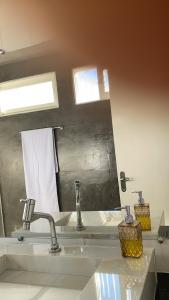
{"x": 40, "y": 168}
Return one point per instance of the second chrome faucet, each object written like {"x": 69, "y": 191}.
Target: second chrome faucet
{"x": 79, "y": 225}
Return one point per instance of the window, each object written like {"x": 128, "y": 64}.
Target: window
{"x": 90, "y": 84}
{"x": 28, "y": 94}
{"x": 106, "y": 81}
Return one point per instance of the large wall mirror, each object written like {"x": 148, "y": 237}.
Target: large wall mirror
{"x": 85, "y": 147}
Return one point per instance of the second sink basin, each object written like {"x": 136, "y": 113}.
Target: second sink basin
{"x": 92, "y": 218}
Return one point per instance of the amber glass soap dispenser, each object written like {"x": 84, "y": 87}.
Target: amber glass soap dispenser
{"x": 142, "y": 212}
{"x": 130, "y": 236}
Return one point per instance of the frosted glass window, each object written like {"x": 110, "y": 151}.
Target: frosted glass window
{"x": 28, "y": 94}
{"x": 90, "y": 84}
{"x": 106, "y": 81}
{"x": 86, "y": 85}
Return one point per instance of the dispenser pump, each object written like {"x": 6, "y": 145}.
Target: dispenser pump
{"x": 128, "y": 218}
{"x": 140, "y": 194}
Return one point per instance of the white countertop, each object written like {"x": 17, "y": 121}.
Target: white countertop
{"x": 122, "y": 279}
{"x": 114, "y": 278}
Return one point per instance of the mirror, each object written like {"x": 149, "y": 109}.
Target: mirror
{"x": 85, "y": 147}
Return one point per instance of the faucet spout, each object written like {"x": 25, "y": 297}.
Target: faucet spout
{"x": 79, "y": 225}
{"x": 54, "y": 242}
{"x": 29, "y": 215}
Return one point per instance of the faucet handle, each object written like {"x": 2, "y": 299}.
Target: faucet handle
{"x": 23, "y": 200}
{"x": 28, "y": 201}
{"x": 77, "y": 184}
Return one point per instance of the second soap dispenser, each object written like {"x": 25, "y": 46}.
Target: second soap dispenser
{"x": 142, "y": 212}
{"x": 130, "y": 236}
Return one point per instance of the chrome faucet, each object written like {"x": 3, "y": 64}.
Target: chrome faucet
{"x": 79, "y": 225}
{"x": 29, "y": 215}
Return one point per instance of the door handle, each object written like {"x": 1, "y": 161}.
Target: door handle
{"x": 123, "y": 180}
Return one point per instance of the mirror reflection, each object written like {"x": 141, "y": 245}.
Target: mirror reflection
{"x": 83, "y": 150}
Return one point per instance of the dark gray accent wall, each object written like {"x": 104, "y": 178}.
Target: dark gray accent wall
{"x": 85, "y": 147}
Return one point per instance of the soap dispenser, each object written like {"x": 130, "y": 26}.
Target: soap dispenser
{"x": 142, "y": 212}
{"x": 130, "y": 235}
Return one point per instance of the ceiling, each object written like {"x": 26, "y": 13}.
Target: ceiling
{"x": 24, "y": 29}
{"x": 130, "y": 37}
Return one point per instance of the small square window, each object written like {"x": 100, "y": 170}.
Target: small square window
{"x": 90, "y": 85}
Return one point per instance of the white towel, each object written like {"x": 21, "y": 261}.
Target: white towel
{"x": 40, "y": 168}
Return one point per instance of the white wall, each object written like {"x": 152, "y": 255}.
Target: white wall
{"x": 141, "y": 132}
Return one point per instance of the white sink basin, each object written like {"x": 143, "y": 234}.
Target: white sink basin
{"x": 93, "y": 218}
{"x": 105, "y": 222}
{"x": 64, "y": 277}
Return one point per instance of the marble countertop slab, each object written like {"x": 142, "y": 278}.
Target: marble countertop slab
{"x": 123, "y": 279}
{"x": 114, "y": 278}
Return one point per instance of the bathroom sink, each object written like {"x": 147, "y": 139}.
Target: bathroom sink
{"x": 105, "y": 222}
{"x": 93, "y": 218}
{"x": 77, "y": 273}
{"x": 93, "y": 221}
{"x": 44, "y": 275}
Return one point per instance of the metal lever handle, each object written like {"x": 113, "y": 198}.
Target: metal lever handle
{"x": 28, "y": 201}
{"x": 29, "y": 205}
{"x": 123, "y": 180}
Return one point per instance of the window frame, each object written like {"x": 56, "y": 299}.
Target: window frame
{"x": 102, "y": 94}
{"x": 31, "y": 80}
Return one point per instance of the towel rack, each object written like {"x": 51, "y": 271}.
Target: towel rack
{"x": 53, "y": 127}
